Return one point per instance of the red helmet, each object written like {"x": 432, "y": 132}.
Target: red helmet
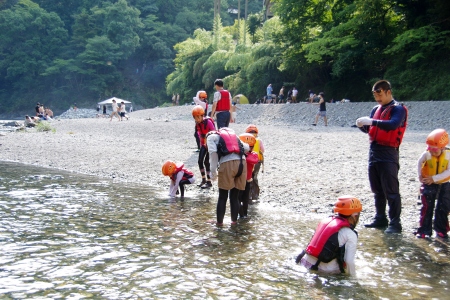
{"x": 248, "y": 138}
{"x": 347, "y": 205}
{"x": 251, "y": 129}
{"x": 438, "y": 138}
{"x": 168, "y": 168}
{"x": 198, "y": 111}
{"x": 202, "y": 95}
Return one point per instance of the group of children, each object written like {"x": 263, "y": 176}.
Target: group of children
{"x": 333, "y": 247}
{"x": 180, "y": 176}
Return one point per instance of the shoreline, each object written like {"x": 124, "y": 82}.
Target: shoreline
{"x": 306, "y": 168}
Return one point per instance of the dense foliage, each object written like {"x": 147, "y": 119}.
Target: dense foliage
{"x": 64, "y": 51}
{"x": 60, "y": 52}
{"x": 340, "y": 47}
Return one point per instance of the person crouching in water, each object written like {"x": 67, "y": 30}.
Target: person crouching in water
{"x": 332, "y": 249}
{"x": 251, "y": 159}
{"x": 179, "y": 176}
{"x": 434, "y": 174}
{"x": 203, "y": 125}
{"x": 225, "y": 148}
{"x": 259, "y": 149}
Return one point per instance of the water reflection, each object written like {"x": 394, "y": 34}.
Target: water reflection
{"x": 69, "y": 236}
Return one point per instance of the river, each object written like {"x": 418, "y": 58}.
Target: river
{"x": 65, "y": 235}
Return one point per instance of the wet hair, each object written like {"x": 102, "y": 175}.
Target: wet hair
{"x": 382, "y": 84}
{"x": 218, "y": 82}
{"x": 321, "y": 94}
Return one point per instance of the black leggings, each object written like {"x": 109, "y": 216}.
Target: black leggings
{"x": 197, "y": 139}
{"x": 203, "y": 159}
{"x": 243, "y": 200}
{"x": 222, "y": 204}
{"x": 181, "y": 186}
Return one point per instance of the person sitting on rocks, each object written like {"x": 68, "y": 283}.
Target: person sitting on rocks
{"x": 29, "y": 122}
{"x": 48, "y": 112}
{"x": 332, "y": 249}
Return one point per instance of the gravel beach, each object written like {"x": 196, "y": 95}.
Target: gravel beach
{"x": 306, "y": 167}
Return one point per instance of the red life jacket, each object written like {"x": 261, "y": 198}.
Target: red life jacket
{"x": 187, "y": 173}
{"x": 224, "y": 103}
{"x": 228, "y": 143}
{"x": 202, "y": 128}
{"x": 324, "y": 244}
{"x": 392, "y": 138}
{"x": 251, "y": 159}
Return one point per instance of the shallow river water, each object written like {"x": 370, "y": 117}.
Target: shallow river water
{"x": 64, "y": 235}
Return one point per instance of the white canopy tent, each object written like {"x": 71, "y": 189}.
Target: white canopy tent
{"x": 110, "y": 101}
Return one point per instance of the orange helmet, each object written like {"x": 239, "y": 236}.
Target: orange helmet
{"x": 203, "y": 95}
{"x": 251, "y": 129}
{"x": 347, "y": 205}
{"x": 248, "y": 138}
{"x": 198, "y": 111}
{"x": 168, "y": 168}
{"x": 438, "y": 138}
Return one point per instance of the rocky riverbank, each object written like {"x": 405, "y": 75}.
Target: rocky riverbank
{"x": 306, "y": 167}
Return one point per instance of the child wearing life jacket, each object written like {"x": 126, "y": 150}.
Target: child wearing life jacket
{"x": 203, "y": 125}
{"x": 332, "y": 249}
{"x": 251, "y": 159}
{"x": 200, "y": 99}
{"x": 434, "y": 174}
{"x": 259, "y": 149}
{"x": 179, "y": 176}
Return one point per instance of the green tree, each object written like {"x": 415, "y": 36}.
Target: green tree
{"x": 30, "y": 38}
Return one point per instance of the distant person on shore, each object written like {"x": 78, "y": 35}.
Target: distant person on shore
{"x": 269, "y": 91}
{"x": 433, "y": 169}
{"x": 289, "y": 96}
{"x": 75, "y": 107}
{"x": 29, "y": 122}
{"x": 203, "y": 125}
{"x": 221, "y": 105}
{"x": 259, "y": 149}
{"x": 311, "y": 96}
{"x": 322, "y": 110}
{"x": 98, "y": 109}
{"x": 114, "y": 110}
{"x": 281, "y": 95}
{"x": 332, "y": 249}
{"x": 37, "y": 108}
{"x": 386, "y": 127}
{"x": 177, "y": 101}
{"x": 48, "y": 112}
{"x": 294, "y": 95}
{"x": 174, "y": 98}
{"x": 251, "y": 159}
{"x": 224, "y": 147}
{"x": 233, "y": 111}
{"x": 179, "y": 177}
{"x": 104, "y": 111}
{"x": 41, "y": 111}
{"x": 123, "y": 111}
